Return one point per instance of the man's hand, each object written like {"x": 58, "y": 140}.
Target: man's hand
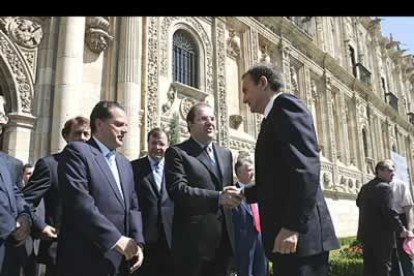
{"x": 286, "y": 241}
{"x": 22, "y": 228}
{"x": 406, "y": 233}
{"x": 48, "y": 233}
{"x": 138, "y": 258}
{"x": 231, "y": 197}
{"x": 127, "y": 247}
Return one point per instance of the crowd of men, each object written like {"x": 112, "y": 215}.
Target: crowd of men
{"x": 88, "y": 211}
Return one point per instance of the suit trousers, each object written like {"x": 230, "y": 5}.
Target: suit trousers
{"x": 157, "y": 259}
{"x": 377, "y": 260}
{"x": 293, "y": 265}
{"x": 219, "y": 265}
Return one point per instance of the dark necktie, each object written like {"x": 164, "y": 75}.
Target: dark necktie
{"x": 263, "y": 123}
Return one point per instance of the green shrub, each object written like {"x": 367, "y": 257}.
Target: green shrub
{"x": 346, "y": 240}
{"x": 346, "y": 261}
{"x": 345, "y": 267}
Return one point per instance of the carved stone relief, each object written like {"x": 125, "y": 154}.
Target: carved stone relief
{"x": 264, "y": 54}
{"x": 171, "y": 96}
{"x": 97, "y": 35}
{"x": 221, "y": 85}
{"x": 26, "y": 33}
{"x": 185, "y": 106}
{"x": 294, "y": 80}
{"x": 152, "y": 89}
{"x": 19, "y": 73}
{"x": 233, "y": 45}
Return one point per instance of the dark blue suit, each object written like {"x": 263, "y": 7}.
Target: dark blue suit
{"x": 12, "y": 205}
{"x": 288, "y": 191}
{"x": 250, "y": 256}
{"x": 94, "y": 215}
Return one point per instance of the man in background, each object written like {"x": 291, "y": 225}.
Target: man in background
{"x": 250, "y": 256}
{"x": 157, "y": 208}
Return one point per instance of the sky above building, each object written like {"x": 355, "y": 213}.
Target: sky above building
{"x": 402, "y": 29}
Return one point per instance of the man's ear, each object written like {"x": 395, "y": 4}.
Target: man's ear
{"x": 263, "y": 82}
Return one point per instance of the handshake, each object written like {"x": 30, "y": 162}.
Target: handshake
{"x": 231, "y": 197}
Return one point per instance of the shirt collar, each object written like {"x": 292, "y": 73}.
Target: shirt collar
{"x": 241, "y": 185}
{"x": 102, "y": 147}
{"x": 153, "y": 162}
{"x": 209, "y": 145}
{"x": 270, "y": 104}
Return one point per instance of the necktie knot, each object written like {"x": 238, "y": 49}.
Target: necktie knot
{"x": 110, "y": 154}
{"x": 157, "y": 166}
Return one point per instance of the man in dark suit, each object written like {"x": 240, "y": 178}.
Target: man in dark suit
{"x": 101, "y": 226}
{"x": 199, "y": 179}
{"x": 15, "y": 215}
{"x": 296, "y": 225}
{"x": 250, "y": 256}
{"x": 156, "y": 206}
{"x": 378, "y": 221}
{"x": 44, "y": 185}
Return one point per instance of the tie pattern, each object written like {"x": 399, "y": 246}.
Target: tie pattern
{"x": 110, "y": 156}
{"x": 211, "y": 155}
{"x": 256, "y": 217}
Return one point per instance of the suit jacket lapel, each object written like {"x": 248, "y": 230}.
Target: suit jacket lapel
{"x": 106, "y": 170}
{"x": 122, "y": 178}
{"x": 202, "y": 156}
{"x": 151, "y": 179}
{"x": 219, "y": 158}
{"x": 205, "y": 160}
{"x": 164, "y": 193}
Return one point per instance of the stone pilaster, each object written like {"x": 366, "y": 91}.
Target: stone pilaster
{"x": 129, "y": 79}
{"x": 68, "y": 82}
{"x": 43, "y": 91}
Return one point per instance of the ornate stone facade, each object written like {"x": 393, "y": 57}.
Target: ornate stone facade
{"x": 360, "y": 106}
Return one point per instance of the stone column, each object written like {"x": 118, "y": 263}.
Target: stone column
{"x": 69, "y": 71}
{"x": 129, "y": 79}
{"x": 17, "y": 135}
{"x": 43, "y": 90}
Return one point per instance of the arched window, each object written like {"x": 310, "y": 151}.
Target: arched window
{"x": 185, "y": 59}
